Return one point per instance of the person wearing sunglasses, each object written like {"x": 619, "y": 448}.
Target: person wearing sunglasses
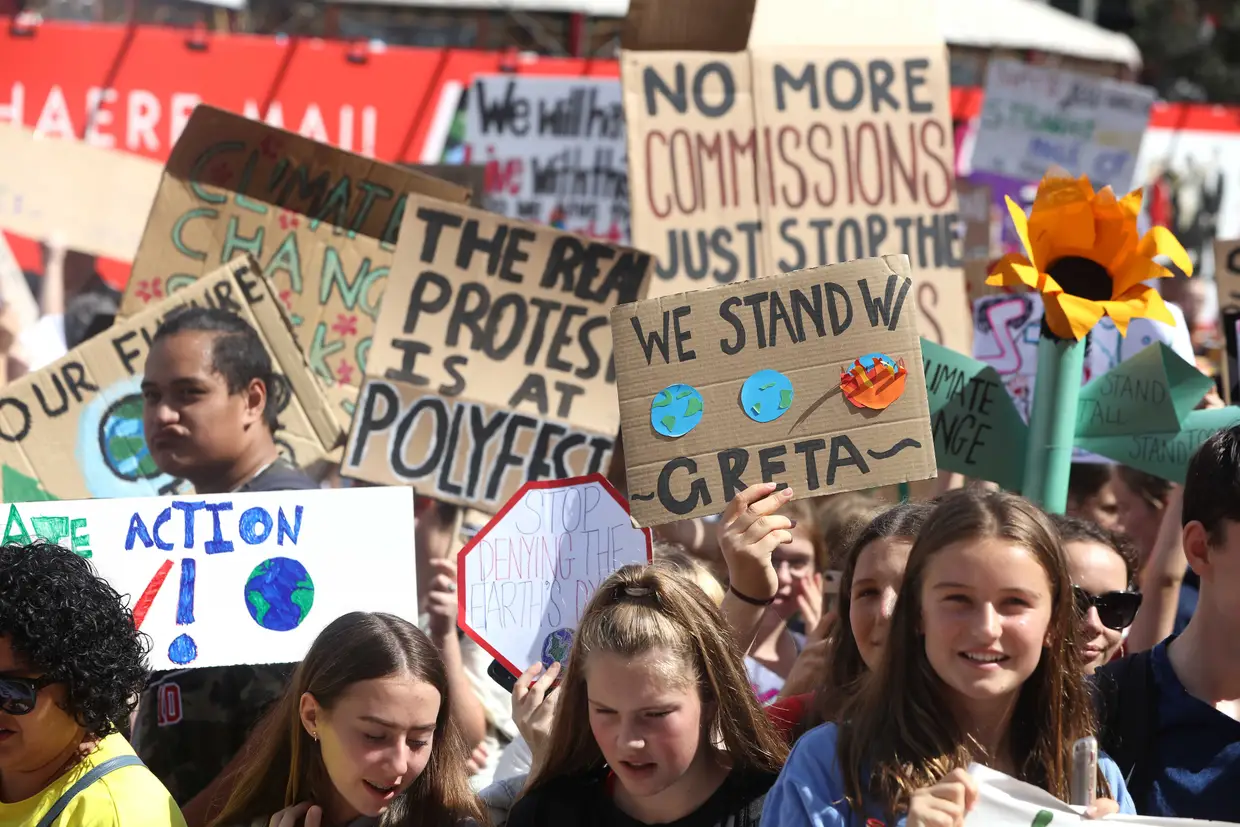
{"x": 71, "y": 666}
{"x": 1103, "y": 564}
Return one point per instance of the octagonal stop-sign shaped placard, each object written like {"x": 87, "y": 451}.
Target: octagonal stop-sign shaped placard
{"x": 525, "y": 579}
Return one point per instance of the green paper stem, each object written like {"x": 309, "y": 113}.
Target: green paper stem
{"x": 1052, "y": 423}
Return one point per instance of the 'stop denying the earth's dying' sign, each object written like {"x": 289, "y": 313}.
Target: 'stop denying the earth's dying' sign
{"x": 810, "y": 379}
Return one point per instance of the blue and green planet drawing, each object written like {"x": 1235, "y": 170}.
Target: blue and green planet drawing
{"x": 279, "y": 594}
{"x": 676, "y": 410}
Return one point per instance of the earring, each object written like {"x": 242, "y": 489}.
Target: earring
{"x": 315, "y": 736}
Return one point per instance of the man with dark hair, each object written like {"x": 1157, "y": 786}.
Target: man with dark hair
{"x": 1171, "y": 716}
{"x": 210, "y": 418}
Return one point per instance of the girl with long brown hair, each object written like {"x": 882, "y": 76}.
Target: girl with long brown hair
{"x": 980, "y": 665}
{"x": 656, "y": 723}
{"x": 362, "y": 738}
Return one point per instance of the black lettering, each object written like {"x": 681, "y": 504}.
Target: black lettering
{"x": 435, "y": 220}
{"x": 726, "y": 313}
{"x": 419, "y": 303}
{"x": 698, "y": 491}
{"x": 842, "y": 443}
{"x": 533, "y": 389}
{"x": 769, "y": 462}
{"x": 439, "y": 411}
{"x": 810, "y": 449}
{"x": 888, "y": 308}
{"x": 732, "y": 462}
{"x": 450, "y": 364}
{"x": 370, "y": 422}
{"x": 514, "y": 254}
{"x": 128, "y": 356}
{"x": 568, "y": 392}
{"x": 561, "y": 339}
{"x": 410, "y": 351}
{"x": 835, "y": 294}
{"x": 506, "y": 456}
{"x": 682, "y": 336}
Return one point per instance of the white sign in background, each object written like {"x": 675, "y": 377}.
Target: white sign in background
{"x": 554, "y": 151}
{"x": 1005, "y": 336}
{"x": 525, "y": 579}
{"x": 1005, "y": 802}
{"x": 1036, "y": 117}
{"x": 227, "y": 579}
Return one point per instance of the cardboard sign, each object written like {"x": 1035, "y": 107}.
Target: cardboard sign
{"x": 321, "y": 222}
{"x": 554, "y": 149}
{"x": 73, "y": 430}
{"x": 525, "y": 579}
{"x": 96, "y": 198}
{"x": 1005, "y": 802}
{"x": 819, "y": 134}
{"x": 976, "y": 208}
{"x": 492, "y": 357}
{"x": 1036, "y": 117}
{"x": 809, "y": 379}
{"x": 229, "y": 579}
{"x": 977, "y": 430}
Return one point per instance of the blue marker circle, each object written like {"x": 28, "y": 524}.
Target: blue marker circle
{"x": 766, "y": 396}
{"x": 676, "y": 410}
{"x": 279, "y": 594}
{"x": 182, "y": 650}
{"x": 556, "y": 647}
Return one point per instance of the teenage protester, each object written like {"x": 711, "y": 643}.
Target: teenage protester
{"x": 209, "y": 418}
{"x": 71, "y": 664}
{"x": 1104, "y": 566}
{"x": 980, "y": 665}
{"x": 656, "y": 723}
{"x": 1171, "y": 716}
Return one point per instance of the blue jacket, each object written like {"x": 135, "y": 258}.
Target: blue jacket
{"x": 810, "y": 790}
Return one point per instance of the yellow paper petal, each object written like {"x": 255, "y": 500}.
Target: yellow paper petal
{"x": 1135, "y": 270}
{"x": 1082, "y": 314}
{"x": 1141, "y": 302}
{"x": 1066, "y": 230}
{"x": 1131, "y": 205}
{"x": 1021, "y": 225}
{"x": 1160, "y": 242}
{"x": 1056, "y": 319}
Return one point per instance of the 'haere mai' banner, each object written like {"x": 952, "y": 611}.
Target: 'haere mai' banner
{"x": 227, "y": 579}
{"x": 811, "y": 379}
{"x": 493, "y": 357}
{"x": 823, "y": 136}
{"x": 321, "y": 222}
{"x": 73, "y": 430}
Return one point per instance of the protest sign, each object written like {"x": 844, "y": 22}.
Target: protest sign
{"x": 977, "y": 430}
{"x": 1005, "y": 802}
{"x": 74, "y": 429}
{"x": 524, "y": 580}
{"x": 1227, "y": 283}
{"x": 819, "y": 134}
{"x": 321, "y": 222}
{"x": 1037, "y": 117}
{"x": 976, "y": 206}
{"x": 554, "y": 151}
{"x": 492, "y": 359}
{"x": 808, "y": 379}
{"x": 95, "y": 198}
{"x": 227, "y": 579}
{"x": 1152, "y": 392}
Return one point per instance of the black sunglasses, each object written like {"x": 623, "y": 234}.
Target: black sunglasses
{"x": 18, "y": 696}
{"x": 1116, "y": 610}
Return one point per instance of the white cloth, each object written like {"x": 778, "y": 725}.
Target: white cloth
{"x": 44, "y": 342}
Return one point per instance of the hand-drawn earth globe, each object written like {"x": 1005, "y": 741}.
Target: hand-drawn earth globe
{"x": 122, "y": 440}
{"x": 279, "y": 594}
{"x": 676, "y": 410}
{"x": 766, "y": 395}
{"x": 556, "y": 647}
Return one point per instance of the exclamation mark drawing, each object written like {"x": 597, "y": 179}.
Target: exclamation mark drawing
{"x": 183, "y": 650}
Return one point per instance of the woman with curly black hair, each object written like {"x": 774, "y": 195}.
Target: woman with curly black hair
{"x": 71, "y": 665}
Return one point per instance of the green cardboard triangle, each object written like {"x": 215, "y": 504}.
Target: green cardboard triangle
{"x": 1164, "y": 455}
{"x": 19, "y": 488}
{"x": 977, "y": 430}
{"x": 1152, "y": 392}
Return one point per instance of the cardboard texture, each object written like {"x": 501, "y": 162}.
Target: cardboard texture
{"x": 825, "y": 136}
{"x": 1227, "y": 283}
{"x": 492, "y": 354}
{"x": 74, "y": 429}
{"x": 977, "y": 215}
{"x": 320, "y": 221}
{"x": 96, "y": 198}
{"x": 977, "y": 429}
{"x": 695, "y": 355}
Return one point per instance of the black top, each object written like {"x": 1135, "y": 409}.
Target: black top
{"x": 583, "y": 801}
{"x": 280, "y": 475}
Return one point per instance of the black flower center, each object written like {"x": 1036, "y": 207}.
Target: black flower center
{"x": 1082, "y": 277}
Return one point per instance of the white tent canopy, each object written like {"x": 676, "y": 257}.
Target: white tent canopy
{"x": 987, "y": 24}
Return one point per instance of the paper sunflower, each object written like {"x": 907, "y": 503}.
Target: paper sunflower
{"x": 1084, "y": 255}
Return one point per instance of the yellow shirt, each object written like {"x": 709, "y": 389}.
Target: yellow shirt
{"x": 127, "y": 797}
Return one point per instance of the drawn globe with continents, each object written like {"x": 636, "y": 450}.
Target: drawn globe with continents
{"x": 279, "y": 594}
{"x": 122, "y": 441}
{"x": 676, "y": 410}
{"x": 556, "y": 647}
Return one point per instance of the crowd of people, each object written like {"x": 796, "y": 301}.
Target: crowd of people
{"x": 829, "y": 661}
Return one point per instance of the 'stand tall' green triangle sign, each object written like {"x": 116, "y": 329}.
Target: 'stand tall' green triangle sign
{"x": 1151, "y": 393}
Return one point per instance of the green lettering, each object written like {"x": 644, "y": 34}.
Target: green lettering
{"x": 80, "y": 542}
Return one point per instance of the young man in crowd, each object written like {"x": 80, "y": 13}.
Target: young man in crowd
{"x": 1171, "y": 716}
{"x": 209, "y": 419}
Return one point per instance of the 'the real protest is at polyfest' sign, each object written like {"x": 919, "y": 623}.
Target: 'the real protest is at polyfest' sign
{"x": 829, "y": 139}
{"x": 226, "y": 579}
{"x": 493, "y": 357}
{"x": 811, "y": 379}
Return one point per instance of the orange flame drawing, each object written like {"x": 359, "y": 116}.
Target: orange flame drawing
{"x": 877, "y": 387}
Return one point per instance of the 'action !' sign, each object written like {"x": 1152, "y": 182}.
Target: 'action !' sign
{"x": 810, "y": 379}
{"x": 525, "y": 579}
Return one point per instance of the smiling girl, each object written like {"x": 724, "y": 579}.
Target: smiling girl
{"x": 362, "y": 738}
{"x": 980, "y": 665}
{"x": 656, "y": 723}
